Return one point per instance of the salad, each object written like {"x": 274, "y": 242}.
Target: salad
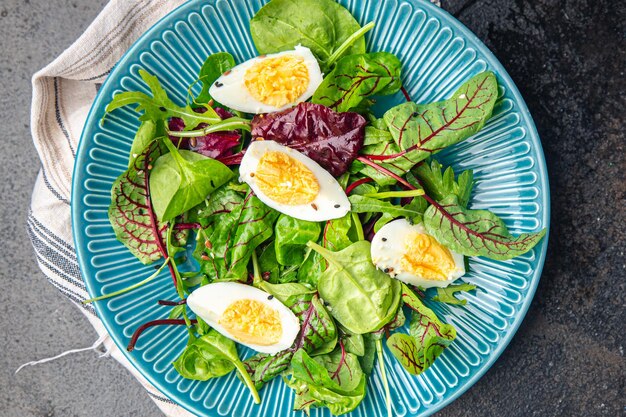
{"x": 316, "y": 224}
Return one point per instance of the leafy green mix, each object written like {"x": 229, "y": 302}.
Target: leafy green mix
{"x": 321, "y": 271}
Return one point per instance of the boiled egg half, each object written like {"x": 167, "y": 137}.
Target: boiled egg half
{"x": 406, "y": 252}
{"x": 269, "y": 83}
{"x": 246, "y": 315}
{"x": 292, "y": 183}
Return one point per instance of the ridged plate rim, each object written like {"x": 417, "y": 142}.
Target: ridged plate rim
{"x": 80, "y": 175}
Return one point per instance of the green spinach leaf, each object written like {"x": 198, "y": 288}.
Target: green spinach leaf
{"x": 446, "y": 295}
{"x": 147, "y": 132}
{"x": 323, "y": 26}
{"x": 210, "y": 356}
{"x": 202, "y": 359}
{"x": 475, "y": 232}
{"x": 337, "y": 235}
{"x": 428, "y": 336}
{"x": 369, "y": 355}
{"x": 353, "y": 343}
{"x": 291, "y": 237}
{"x": 180, "y": 180}
{"x": 362, "y": 298}
{"x": 214, "y": 66}
{"x": 357, "y": 77}
{"x": 160, "y": 106}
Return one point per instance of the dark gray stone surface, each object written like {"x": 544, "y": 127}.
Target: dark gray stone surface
{"x": 568, "y": 59}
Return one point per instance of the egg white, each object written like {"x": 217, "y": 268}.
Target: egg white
{"x": 388, "y": 247}
{"x": 232, "y": 91}
{"x": 210, "y": 301}
{"x": 331, "y": 201}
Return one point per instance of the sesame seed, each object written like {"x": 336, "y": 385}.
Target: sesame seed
{"x": 193, "y": 142}
{"x": 384, "y": 239}
{"x": 314, "y": 206}
{"x": 218, "y": 84}
{"x": 163, "y": 109}
{"x": 270, "y": 297}
{"x": 337, "y": 205}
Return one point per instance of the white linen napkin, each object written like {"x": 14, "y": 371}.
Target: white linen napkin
{"x": 62, "y": 95}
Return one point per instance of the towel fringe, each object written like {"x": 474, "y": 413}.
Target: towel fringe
{"x": 94, "y": 346}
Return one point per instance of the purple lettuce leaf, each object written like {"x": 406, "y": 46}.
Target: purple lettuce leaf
{"x": 329, "y": 138}
{"x": 215, "y": 145}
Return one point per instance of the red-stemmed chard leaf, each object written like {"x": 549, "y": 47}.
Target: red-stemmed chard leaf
{"x": 427, "y": 340}
{"x": 131, "y": 213}
{"x": 469, "y": 232}
{"x": 475, "y": 232}
{"x": 230, "y": 238}
{"x": 329, "y": 138}
{"x": 420, "y": 130}
{"x": 216, "y": 145}
{"x": 357, "y": 77}
{"x": 316, "y": 330}
{"x": 334, "y": 380}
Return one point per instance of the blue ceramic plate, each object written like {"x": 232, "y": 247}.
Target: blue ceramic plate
{"x": 438, "y": 55}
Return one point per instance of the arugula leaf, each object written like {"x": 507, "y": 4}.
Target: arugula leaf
{"x": 180, "y": 180}
{"x": 357, "y": 77}
{"x": 428, "y": 336}
{"x": 439, "y": 185}
{"x": 323, "y": 26}
{"x": 362, "y": 204}
{"x": 446, "y": 295}
{"x": 291, "y": 238}
{"x": 335, "y": 381}
{"x": 214, "y": 66}
{"x": 362, "y": 298}
{"x": 234, "y": 234}
{"x": 420, "y": 130}
{"x": 475, "y": 232}
{"x": 383, "y": 220}
{"x": 160, "y": 106}
{"x": 210, "y": 356}
{"x": 131, "y": 212}
{"x": 375, "y": 135}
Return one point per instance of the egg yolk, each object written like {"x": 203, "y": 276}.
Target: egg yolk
{"x": 427, "y": 258}
{"x": 286, "y": 180}
{"x": 277, "y": 81}
{"x": 251, "y": 321}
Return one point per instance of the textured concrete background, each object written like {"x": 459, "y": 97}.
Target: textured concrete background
{"x": 568, "y": 59}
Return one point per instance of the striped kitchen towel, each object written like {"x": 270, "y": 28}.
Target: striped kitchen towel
{"x": 62, "y": 96}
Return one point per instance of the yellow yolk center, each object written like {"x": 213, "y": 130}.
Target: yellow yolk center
{"x": 277, "y": 81}
{"x": 285, "y": 179}
{"x": 251, "y": 321}
{"x": 426, "y": 258}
